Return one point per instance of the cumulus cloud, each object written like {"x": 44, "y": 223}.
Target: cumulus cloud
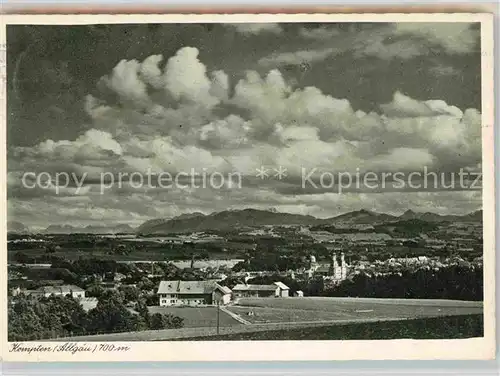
{"x": 404, "y": 106}
{"x": 185, "y": 78}
{"x": 231, "y": 132}
{"x": 125, "y": 81}
{"x": 280, "y": 126}
{"x": 93, "y": 144}
{"x": 164, "y": 155}
{"x": 220, "y": 85}
{"x": 297, "y": 128}
{"x": 193, "y": 118}
{"x": 151, "y": 72}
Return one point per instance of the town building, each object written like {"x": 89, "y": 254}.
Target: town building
{"x": 277, "y": 289}
{"x": 192, "y": 293}
{"x": 283, "y": 290}
{"x": 333, "y": 271}
{"x": 63, "y": 290}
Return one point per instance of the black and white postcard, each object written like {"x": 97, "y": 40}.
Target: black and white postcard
{"x": 293, "y": 187}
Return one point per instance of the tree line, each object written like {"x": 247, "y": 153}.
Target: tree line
{"x": 57, "y": 316}
{"x": 454, "y": 282}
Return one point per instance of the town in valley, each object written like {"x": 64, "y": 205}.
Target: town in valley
{"x": 236, "y": 270}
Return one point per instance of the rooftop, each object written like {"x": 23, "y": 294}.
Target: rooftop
{"x": 63, "y": 289}
{"x": 191, "y": 287}
{"x": 242, "y": 287}
{"x": 282, "y": 286}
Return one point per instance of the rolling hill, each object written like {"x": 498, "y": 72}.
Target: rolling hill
{"x": 224, "y": 220}
{"x": 231, "y": 219}
{"x": 68, "y": 229}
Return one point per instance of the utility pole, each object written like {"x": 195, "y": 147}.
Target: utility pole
{"x": 218, "y": 314}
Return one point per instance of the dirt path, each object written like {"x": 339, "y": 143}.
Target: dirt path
{"x": 235, "y": 316}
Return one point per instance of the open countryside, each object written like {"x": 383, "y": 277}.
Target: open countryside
{"x": 282, "y": 277}
{"x": 292, "y": 314}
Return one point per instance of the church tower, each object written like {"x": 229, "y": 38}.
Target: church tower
{"x": 334, "y": 266}
{"x": 343, "y": 270}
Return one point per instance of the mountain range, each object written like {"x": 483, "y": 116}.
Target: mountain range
{"x": 68, "y": 229}
{"x": 228, "y": 219}
{"x": 254, "y": 218}
{"x": 19, "y": 228}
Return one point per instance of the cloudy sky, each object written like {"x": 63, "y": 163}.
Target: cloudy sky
{"x": 381, "y": 98}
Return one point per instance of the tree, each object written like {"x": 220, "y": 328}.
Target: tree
{"x": 111, "y": 315}
{"x": 51, "y": 248}
{"x": 23, "y": 258}
{"x": 165, "y": 321}
{"x": 50, "y": 317}
{"x": 130, "y": 293}
{"x": 142, "y": 308}
{"x": 95, "y": 291}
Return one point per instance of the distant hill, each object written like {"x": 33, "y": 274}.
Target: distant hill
{"x": 60, "y": 229}
{"x": 17, "y": 227}
{"x": 362, "y": 217}
{"x": 68, "y": 229}
{"x": 255, "y": 218}
{"x": 124, "y": 229}
{"x": 224, "y": 220}
{"x": 476, "y": 216}
{"x": 230, "y": 219}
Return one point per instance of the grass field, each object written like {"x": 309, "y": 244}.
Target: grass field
{"x": 324, "y": 309}
{"x": 269, "y": 314}
{"x": 198, "y": 316}
{"x": 308, "y": 318}
{"x": 428, "y": 328}
{"x": 438, "y": 327}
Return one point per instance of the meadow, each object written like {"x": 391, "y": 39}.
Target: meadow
{"x": 453, "y": 327}
{"x": 326, "y": 308}
{"x": 197, "y": 316}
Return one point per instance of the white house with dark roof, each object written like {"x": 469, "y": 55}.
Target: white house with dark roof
{"x": 192, "y": 293}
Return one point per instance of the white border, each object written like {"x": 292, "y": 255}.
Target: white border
{"x": 476, "y": 348}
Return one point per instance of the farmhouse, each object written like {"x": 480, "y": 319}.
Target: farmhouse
{"x": 192, "y": 293}
{"x": 277, "y": 289}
